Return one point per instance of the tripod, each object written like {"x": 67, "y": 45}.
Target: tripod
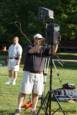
{"x": 46, "y": 103}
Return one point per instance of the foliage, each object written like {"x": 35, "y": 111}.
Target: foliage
{"x": 26, "y": 13}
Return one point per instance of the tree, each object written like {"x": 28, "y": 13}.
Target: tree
{"x": 25, "y": 12}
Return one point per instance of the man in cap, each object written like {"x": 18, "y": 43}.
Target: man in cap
{"x": 32, "y": 82}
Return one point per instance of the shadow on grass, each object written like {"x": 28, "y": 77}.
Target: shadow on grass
{"x": 68, "y": 65}
{"x": 5, "y": 112}
{"x": 68, "y": 56}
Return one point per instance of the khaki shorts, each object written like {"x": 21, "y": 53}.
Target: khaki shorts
{"x": 12, "y": 65}
{"x": 32, "y": 83}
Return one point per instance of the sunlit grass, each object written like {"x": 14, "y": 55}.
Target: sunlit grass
{"x": 9, "y": 94}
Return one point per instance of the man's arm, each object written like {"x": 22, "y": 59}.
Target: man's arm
{"x": 53, "y": 49}
{"x": 18, "y": 60}
{"x": 19, "y": 55}
{"x": 35, "y": 49}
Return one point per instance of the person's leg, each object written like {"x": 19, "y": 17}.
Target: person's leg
{"x": 10, "y": 72}
{"x": 15, "y": 73}
{"x": 26, "y": 88}
{"x": 14, "y": 78}
{"x": 34, "y": 101}
{"x": 21, "y": 99}
{"x": 37, "y": 90}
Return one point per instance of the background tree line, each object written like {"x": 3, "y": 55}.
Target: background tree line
{"x": 24, "y": 13}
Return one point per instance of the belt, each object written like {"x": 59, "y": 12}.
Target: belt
{"x": 13, "y": 58}
{"x": 37, "y": 72}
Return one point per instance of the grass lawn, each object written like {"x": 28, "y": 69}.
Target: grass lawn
{"x": 9, "y": 94}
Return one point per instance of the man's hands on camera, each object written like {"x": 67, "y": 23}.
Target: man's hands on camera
{"x": 35, "y": 49}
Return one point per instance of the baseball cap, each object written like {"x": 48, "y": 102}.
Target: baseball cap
{"x": 38, "y": 36}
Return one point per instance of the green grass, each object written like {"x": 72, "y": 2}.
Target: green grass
{"x": 9, "y": 94}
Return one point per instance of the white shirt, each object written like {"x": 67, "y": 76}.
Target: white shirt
{"x": 15, "y": 50}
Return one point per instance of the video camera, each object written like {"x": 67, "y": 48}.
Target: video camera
{"x": 52, "y": 29}
{"x": 45, "y": 14}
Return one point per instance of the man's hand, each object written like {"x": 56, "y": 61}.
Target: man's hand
{"x": 18, "y": 62}
{"x": 53, "y": 49}
{"x": 35, "y": 49}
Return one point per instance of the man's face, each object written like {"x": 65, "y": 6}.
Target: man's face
{"x": 38, "y": 41}
{"x": 15, "y": 40}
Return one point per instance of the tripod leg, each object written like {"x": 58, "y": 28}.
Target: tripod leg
{"x": 60, "y": 108}
{"x": 47, "y": 104}
{"x": 43, "y": 104}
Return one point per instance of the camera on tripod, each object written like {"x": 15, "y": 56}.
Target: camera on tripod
{"x": 52, "y": 38}
{"x": 45, "y": 14}
{"x": 52, "y": 29}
